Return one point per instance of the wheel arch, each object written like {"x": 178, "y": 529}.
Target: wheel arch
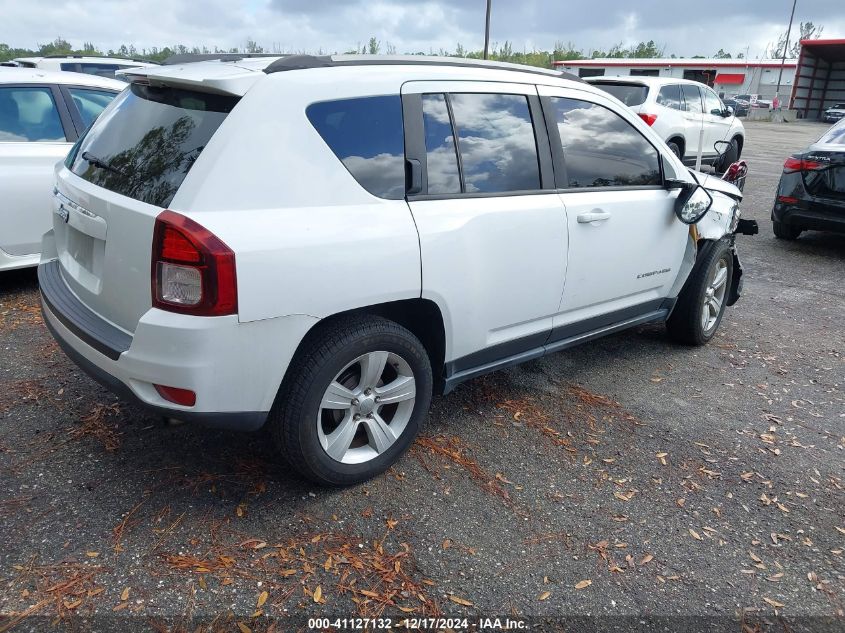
{"x": 422, "y": 317}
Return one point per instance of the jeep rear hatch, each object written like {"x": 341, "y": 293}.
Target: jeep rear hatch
{"x": 119, "y": 178}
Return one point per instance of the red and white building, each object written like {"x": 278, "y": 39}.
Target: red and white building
{"x": 728, "y": 76}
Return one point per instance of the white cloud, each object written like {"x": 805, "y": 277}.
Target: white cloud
{"x": 686, "y": 28}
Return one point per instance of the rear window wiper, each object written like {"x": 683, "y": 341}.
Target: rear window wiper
{"x": 102, "y": 164}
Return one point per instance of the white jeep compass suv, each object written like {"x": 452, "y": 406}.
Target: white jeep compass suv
{"x": 319, "y": 243}
{"x": 685, "y": 114}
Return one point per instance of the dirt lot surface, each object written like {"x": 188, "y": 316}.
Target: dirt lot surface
{"x": 654, "y": 486}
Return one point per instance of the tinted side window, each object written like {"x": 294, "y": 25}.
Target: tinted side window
{"x": 29, "y": 114}
{"x": 496, "y": 142}
{"x": 441, "y": 157}
{"x": 601, "y": 149}
{"x": 366, "y": 134}
{"x": 692, "y": 98}
{"x": 90, "y": 102}
{"x": 670, "y": 97}
{"x": 712, "y": 103}
{"x": 90, "y": 68}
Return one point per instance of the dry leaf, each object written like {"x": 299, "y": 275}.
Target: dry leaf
{"x": 318, "y": 593}
{"x": 646, "y": 559}
{"x": 392, "y": 523}
{"x": 545, "y": 595}
{"x": 695, "y": 535}
{"x": 125, "y": 595}
{"x": 840, "y": 529}
{"x": 462, "y": 601}
{"x": 92, "y": 554}
{"x": 262, "y": 598}
{"x": 72, "y": 604}
{"x": 203, "y": 584}
{"x": 244, "y": 628}
{"x": 774, "y": 603}
{"x": 583, "y": 584}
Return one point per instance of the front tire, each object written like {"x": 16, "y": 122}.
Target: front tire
{"x": 786, "y": 231}
{"x": 702, "y": 300}
{"x": 353, "y": 401}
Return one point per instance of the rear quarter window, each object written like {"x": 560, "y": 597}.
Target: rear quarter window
{"x": 367, "y": 136}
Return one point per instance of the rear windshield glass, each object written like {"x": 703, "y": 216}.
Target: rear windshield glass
{"x": 145, "y": 143}
{"x": 835, "y": 135}
{"x": 629, "y": 94}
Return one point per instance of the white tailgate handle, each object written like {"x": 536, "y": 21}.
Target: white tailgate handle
{"x": 596, "y": 215}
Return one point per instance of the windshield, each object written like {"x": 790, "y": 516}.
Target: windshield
{"x": 629, "y": 94}
{"x": 144, "y": 144}
{"x": 838, "y": 106}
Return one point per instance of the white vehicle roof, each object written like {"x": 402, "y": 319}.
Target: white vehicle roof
{"x": 237, "y": 76}
{"x": 9, "y": 75}
{"x": 644, "y": 81}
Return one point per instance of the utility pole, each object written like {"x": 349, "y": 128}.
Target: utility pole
{"x": 785, "y": 48}
{"x": 487, "y": 29}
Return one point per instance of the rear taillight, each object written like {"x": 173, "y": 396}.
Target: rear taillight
{"x": 648, "y": 118}
{"x": 193, "y": 272}
{"x": 796, "y": 163}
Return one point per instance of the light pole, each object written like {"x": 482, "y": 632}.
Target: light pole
{"x": 487, "y": 29}
{"x": 785, "y": 48}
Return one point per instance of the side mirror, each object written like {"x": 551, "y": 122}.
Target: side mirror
{"x": 692, "y": 203}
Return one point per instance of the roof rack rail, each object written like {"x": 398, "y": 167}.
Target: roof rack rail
{"x": 187, "y": 58}
{"x": 301, "y": 62}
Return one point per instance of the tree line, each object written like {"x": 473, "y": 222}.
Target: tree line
{"x": 506, "y": 52}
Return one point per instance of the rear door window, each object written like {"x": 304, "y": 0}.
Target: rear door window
{"x": 29, "y": 114}
{"x": 441, "y": 155}
{"x": 629, "y": 94}
{"x": 367, "y": 135}
{"x": 147, "y": 141}
{"x": 692, "y": 98}
{"x": 601, "y": 149}
{"x": 498, "y": 152}
{"x": 670, "y": 97}
{"x": 89, "y": 102}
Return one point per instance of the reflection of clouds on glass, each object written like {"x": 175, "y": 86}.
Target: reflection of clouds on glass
{"x": 602, "y": 149}
{"x": 496, "y": 140}
{"x": 383, "y": 174}
{"x": 441, "y": 160}
{"x": 366, "y": 134}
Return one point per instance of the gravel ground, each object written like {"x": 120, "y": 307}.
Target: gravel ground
{"x": 653, "y": 486}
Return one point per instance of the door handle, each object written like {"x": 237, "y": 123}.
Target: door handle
{"x": 596, "y": 215}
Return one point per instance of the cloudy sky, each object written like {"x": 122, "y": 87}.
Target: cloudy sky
{"x": 684, "y": 27}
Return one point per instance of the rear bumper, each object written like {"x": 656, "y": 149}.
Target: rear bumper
{"x": 234, "y": 368}
{"x": 811, "y": 216}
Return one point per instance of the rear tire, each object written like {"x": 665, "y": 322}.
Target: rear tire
{"x": 331, "y": 421}
{"x": 701, "y": 303}
{"x": 676, "y": 149}
{"x": 786, "y": 231}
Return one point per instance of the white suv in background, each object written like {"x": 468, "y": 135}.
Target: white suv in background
{"x": 321, "y": 243}
{"x": 100, "y": 66}
{"x": 41, "y": 115}
{"x": 679, "y": 110}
